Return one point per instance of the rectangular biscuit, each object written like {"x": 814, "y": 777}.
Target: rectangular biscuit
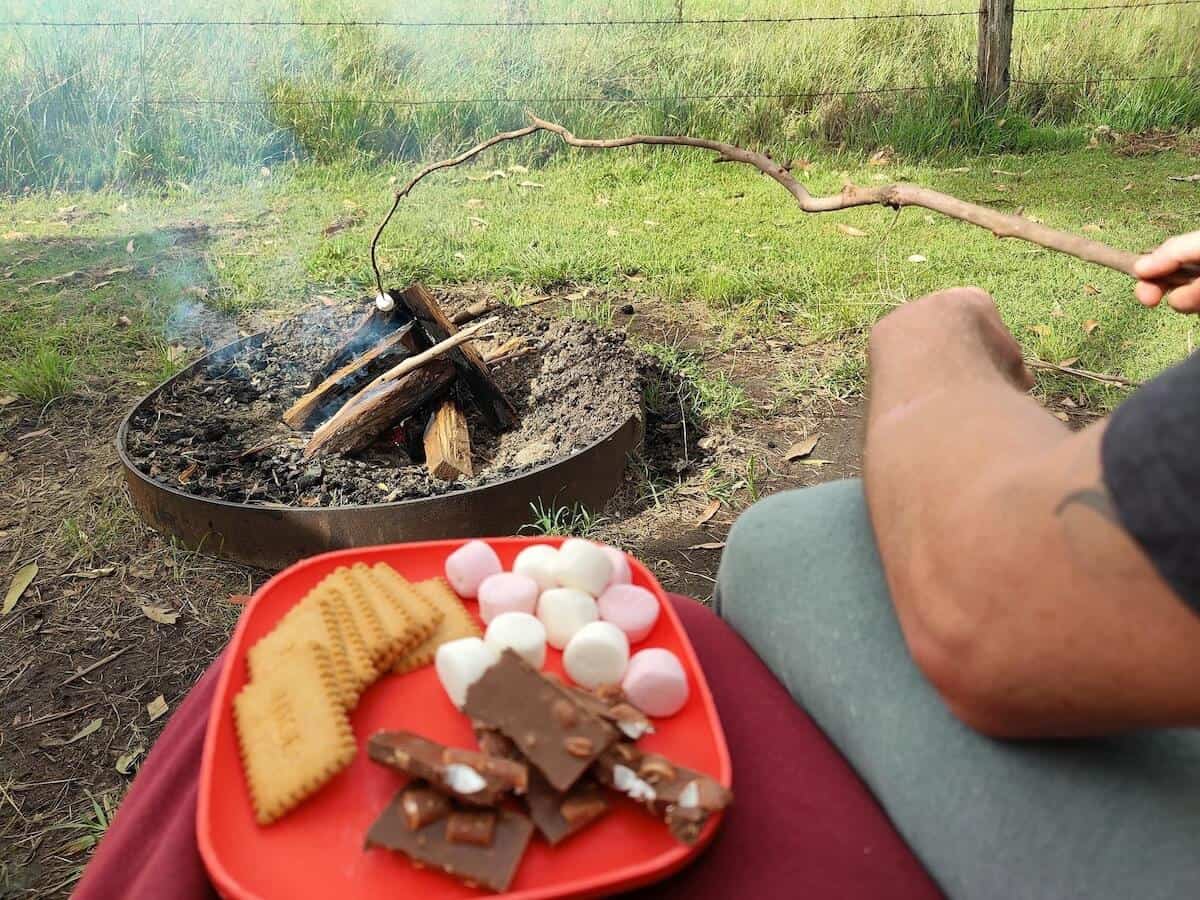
{"x": 293, "y": 733}
{"x": 305, "y": 623}
{"x": 362, "y": 635}
{"x": 425, "y": 615}
{"x": 457, "y": 622}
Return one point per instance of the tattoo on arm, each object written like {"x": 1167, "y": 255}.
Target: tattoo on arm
{"x": 1094, "y": 498}
{"x": 1100, "y": 546}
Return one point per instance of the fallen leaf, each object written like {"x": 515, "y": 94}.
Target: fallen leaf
{"x": 1068, "y": 403}
{"x": 123, "y": 321}
{"x": 126, "y": 760}
{"x": 176, "y": 352}
{"x": 121, "y": 270}
{"x": 1068, "y": 362}
{"x": 713, "y": 545}
{"x": 476, "y": 203}
{"x": 156, "y": 707}
{"x": 1092, "y": 227}
{"x": 651, "y": 222}
{"x": 518, "y": 169}
{"x": 850, "y": 230}
{"x": 1006, "y": 173}
{"x": 264, "y": 172}
{"x": 1128, "y": 187}
{"x": 959, "y": 171}
{"x": 709, "y": 512}
{"x": 1034, "y": 219}
{"x": 239, "y": 599}
{"x": 186, "y": 475}
{"x": 1000, "y": 187}
{"x": 1183, "y": 177}
{"x": 1090, "y": 325}
{"x": 498, "y": 173}
{"x": 102, "y": 284}
{"x": 1057, "y": 310}
{"x": 800, "y": 165}
{"x": 1091, "y": 289}
{"x": 801, "y": 449}
{"x": 5, "y": 456}
{"x": 1062, "y": 416}
{"x": 160, "y": 615}
{"x": 916, "y": 258}
{"x": 613, "y": 232}
{"x": 7, "y": 399}
{"x": 477, "y": 222}
{"x": 15, "y": 235}
{"x": 20, "y": 581}
{"x": 30, "y": 435}
{"x": 601, "y": 200}
{"x": 460, "y": 256}
{"x": 529, "y": 184}
{"x": 881, "y": 157}
{"x": 90, "y": 728}
{"x": 129, "y": 248}
{"x": 1040, "y": 330}
{"x": 816, "y": 462}
{"x": 146, "y": 569}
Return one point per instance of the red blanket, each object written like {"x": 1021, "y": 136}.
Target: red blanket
{"x": 802, "y": 824}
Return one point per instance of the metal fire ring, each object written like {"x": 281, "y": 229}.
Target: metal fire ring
{"x": 273, "y": 536}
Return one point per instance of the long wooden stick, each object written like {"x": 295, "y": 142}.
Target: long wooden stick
{"x": 415, "y": 362}
{"x": 895, "y": 196}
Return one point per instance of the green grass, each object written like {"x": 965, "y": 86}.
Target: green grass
{"x": 721, "y": 256}
{"x": 567, "y": 521}
{"x": 75, "y": 111}
{"x": 40, "y": 373}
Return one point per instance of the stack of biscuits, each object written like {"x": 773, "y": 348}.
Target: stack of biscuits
{"x": 307, "y": 674}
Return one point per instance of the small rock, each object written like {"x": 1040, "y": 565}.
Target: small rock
{"x": 627, "y": 309}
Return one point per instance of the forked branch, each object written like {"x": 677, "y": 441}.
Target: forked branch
{"x": 895, "y": 196}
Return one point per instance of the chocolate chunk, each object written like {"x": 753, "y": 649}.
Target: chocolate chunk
{"x": 515, "y": 699}
{"x": 683, "y": 798}
{"x": 492, "y": 866}
{"x": 468, "y": 775}
{"x": 610, "y": 703}
{"x": 421, "y": 805}
{"x": 476, "y": 827}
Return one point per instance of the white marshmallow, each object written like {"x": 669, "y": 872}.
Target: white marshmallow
{"x": 520, "y": 631}
{"x": 564, "y": 611}
{"x": 621, "y": 573}
{"x": 461, "y": 663}
{"x": 384, "y": 303}
{"x": 597, "y": 655}
{"x": 538, "y": 563}
{"x": 583, "y": 565}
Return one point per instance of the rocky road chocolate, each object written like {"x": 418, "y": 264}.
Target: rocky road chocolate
{"x": 557, "y": 815}
{"x": 422, "y": 805}
{"x": 468, "y": 775}
{"x": 683, "y": 798}
{"x": 476, "y": 827}
{"x": 549, "y": 724}
{"x": 492, "y": 867}
{"x": 610, "y": 704}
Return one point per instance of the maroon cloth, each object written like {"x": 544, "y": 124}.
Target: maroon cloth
{"x": 802, "y": 824}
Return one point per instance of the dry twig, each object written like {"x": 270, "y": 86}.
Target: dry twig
{"x": 896, "y": 196}
{"x": 1045, "y": 366}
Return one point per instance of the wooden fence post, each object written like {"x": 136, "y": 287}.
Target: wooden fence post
{"x": 995, "y": 51}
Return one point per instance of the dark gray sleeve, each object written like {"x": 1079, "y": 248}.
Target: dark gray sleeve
{"x": 1151, "y": 460}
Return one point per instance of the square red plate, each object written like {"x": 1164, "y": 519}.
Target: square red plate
{"x": 317, "y": 849}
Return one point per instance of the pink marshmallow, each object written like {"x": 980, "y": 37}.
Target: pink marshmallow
{"x": 621, "y": 573}
{"x": 507, "y": 592}
{"x": 469, "y": 565}
{"x": 655, "y": 682}
{"x": 631, "y": 608}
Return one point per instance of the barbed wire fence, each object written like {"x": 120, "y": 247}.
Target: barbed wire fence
{"x": 993, "y": 79}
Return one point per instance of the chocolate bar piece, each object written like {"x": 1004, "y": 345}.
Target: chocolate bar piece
{"x": 549, "y": 724}
{"x": 468, "y": 775}
{"x": 476, "y": 827}
{"x": 611, "y": 704}
{"x": 492, "y": 867}
{"x": 683, "y": 798}
{"x": 421, "y": 805}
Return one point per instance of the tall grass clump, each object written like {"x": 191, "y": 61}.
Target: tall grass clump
{"x": 39, "y": 373}
{"x": 84, "y": 106}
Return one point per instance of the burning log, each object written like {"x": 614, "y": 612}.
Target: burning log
{"x": 370, "y": 412}
{"x": 350, "y": 377}
{"x": 381, "y": 321}
{"x": 393, "y": 395}
{"x": 490, "y": 399}
{"x": 448, "y": 442}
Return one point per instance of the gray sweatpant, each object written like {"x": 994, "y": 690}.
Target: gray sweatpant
{"x": 1097, "y": 819}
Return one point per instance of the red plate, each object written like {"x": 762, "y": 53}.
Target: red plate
{"x": 317, "y": 849}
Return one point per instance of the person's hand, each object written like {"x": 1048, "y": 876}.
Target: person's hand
{"x": 951, "y": 334}
{"x": 1170, "y": 256}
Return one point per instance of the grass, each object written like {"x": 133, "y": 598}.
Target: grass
{"x": 76, "y": 111}
{"x": 718, "y": 251}
{"x": 567, "y": 521}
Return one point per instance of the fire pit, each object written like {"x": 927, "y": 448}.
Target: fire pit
{"x": 291, "y": 442}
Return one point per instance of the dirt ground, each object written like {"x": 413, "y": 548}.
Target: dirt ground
{"x": 121, "y": 622}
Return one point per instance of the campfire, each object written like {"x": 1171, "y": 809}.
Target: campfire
{"x": 402, "y": 370}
